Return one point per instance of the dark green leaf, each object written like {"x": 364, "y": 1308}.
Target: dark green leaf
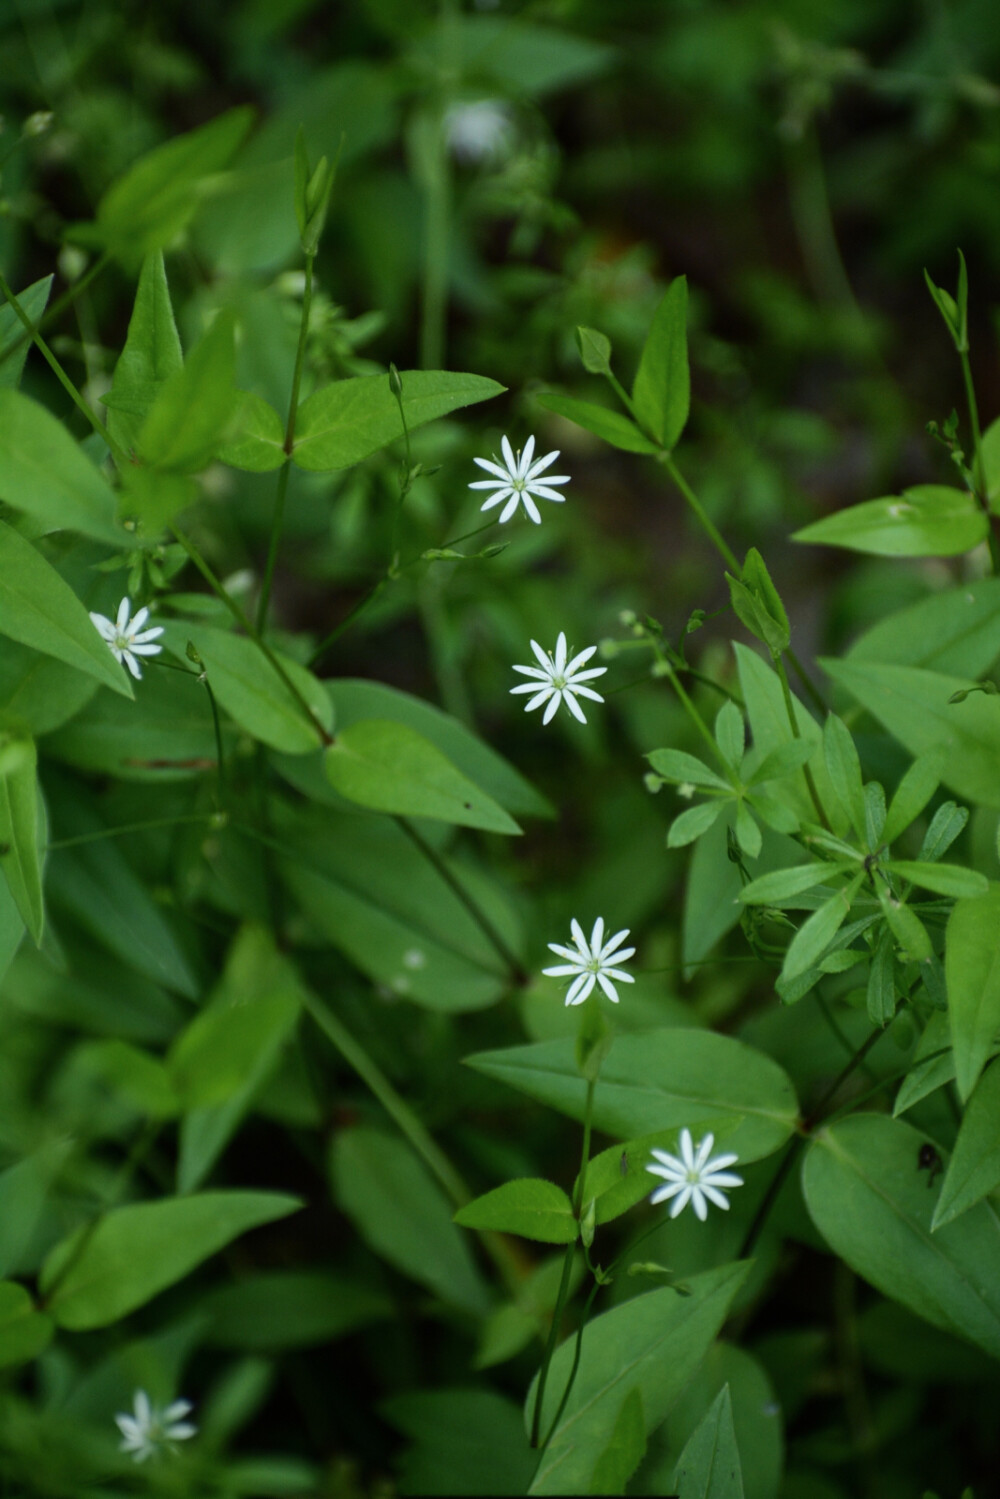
{"x": 20, "y": 853}
{"x": 529, "y": 1206}
{"x": 662, "y": 389}
{"x": 33, "y": 301}
{"x": 618, "y": 430}
{"x": 195, "y": 407}
{"x": 45, "y": 474}
{"x": 24, "y": 1333}
{"x": 709, "y": 1466}
{"x": 972, "y": 973}
{"x": 152, "y": 354}
{"x": 974, "y": 1168}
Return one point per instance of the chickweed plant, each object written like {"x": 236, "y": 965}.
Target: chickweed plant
{"x": 286, "y": 1060}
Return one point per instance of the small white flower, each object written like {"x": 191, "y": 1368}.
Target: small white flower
{"x": 126, "y": 638}
{"x": 149, "y": 1428}
{"x": 591, "y": 963}
{"x": 693, "y": 1177}
{"x": 519, "y": 481}
{"x": 479, "y": 130}
{"x": 559, "y": 680}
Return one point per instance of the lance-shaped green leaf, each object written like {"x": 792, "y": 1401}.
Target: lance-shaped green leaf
{"x": 662, "y": 389}
{"x": 211, "y": 1058}
{"x": 870, "y": 1202}
{"x": 957, "y": 630}
{"x": 39, "y": 609}
{"x": 659, "y": 1080}
{"x": 530, "y": 1206}
{"x": 389, "y": 767}
{"x": 730, "y": 734}
{"x": 972, "y": 974}
{"x": 625, "y": 1450}
{"x": 943, "y": 879}
{"x": 947, "y": 824}
{"x": 913, "y": 705}
{"x": 692, "y": 823}
{"x": 709, "y": 1467}
{"x": 912, "y": 795}
{"x": 929, "y": 520}
{"x": 818, "y": 931}
{"x": 782, "y": 885}
{"x": 100, "y": 1274}
{"x": 653, "y": 1344}
{"x": 20, "y": 855}
{"x": 906, "y": 926}
{"x": 152, "y": 353}
{"x": 343, "y": 423}
{"x": 45, "y": 474}
{"x": 844, "y": 769}
{"x": 758, "y": 605}
{"x": 13, "y": 334}
{"x": 157, "y": 197}
{"x": 954, "y": 312}
{"x": 782, "y": 761}
{"x": 257, "y": 437}
{"x": 615, "y": 428}
{"x": 24, "y": 1332}
{"x": 595, "y": 350}
{"x": 678, "y": 765}
{"x": 195, "y": 407}
{"x": 881, "y": 991}
{"x": 974, "y": 1168}
{"x": 933, "y": 1064}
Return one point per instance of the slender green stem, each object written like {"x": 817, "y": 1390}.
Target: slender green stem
{"x": 585, "y": 1151}
{"x": 577, "y": 1350}
{"x": 695, "y": 716}
{"x": 58, "y": 307}
{"x": 712, "y": 531}
{"x": 121, "y": 458}
{"x": 978, "y": 471}
{"x": 807, "y": 682}
{"x": 551, "y": 1341}
{"x": 278, "y": 517}
{"x": 241, "y": 617}
{"x": 786, "y": 693}
{"x": 148, "y": 825}
{"x": 515, "y": 969}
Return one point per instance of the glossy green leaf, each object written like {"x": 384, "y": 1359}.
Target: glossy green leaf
{"x": 257, "y": 440}
{"x": 39, "y": 609}
{"x": 20, "y": 853}
{"x": 771, "y": 730}
{"x": 390, "y": 767}
{"x": 913, "y": 705}
{"x": 195, "y": 407}
{"x": 929, "y": 520}
{"x": 152, "y": 354}
{"x": 956, "y": 631}
{"x": 658, "y": 1079}
{"x": 974, "y": 1168}
{"x": 709, "y": 1467}
{"x": 13, "y": 334}
{"x": 662, "y": 389}
{"x": 653, "y": 1344}
{"x": 343, "y": 423}
{"x": 100, "y": 1274}
{"x": 758, "y": 605}
{"x": 870, "y": 1202}
{"x": 612, "y": 426}
{"x": 529, "y": 1206}
{"x": 730, "y": 734}
{"x": 972, "y": 974}
{"x": 24, "y": 1332}
{"x": 403, "y": 1215}
{"x": 148, "y": 207}
{"x": 46, "y": 475}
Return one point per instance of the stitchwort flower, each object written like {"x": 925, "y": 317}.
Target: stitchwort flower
{"x": 479, "y": 130}
{"x": 520, "y": 481}
{"x": 149, "y": 1429}
{"x": 695, "y": 1176}
{"x": 125, "y": 637}
{"x": 591, "y": 962}
{"x": 558, "y": 680}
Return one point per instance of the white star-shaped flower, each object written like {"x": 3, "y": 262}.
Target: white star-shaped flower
{"x": 519, "y": 481}
{"x": 591, "y": 962}
{"x": 693, "y": 1177}
{"x": 479, "y": 130}
{"x": 125, "y": 637}
{"x": 558, "y": 680}
{"x": 149, "y": 1428}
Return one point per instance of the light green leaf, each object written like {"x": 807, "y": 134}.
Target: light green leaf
{"x": 194, "y": 408}
{"x": 947, "y": 824}
{"x": 137, "y": 1077}
{"x": 913, "y": 705}
{"x": 530, "y": 1207}
{"x": 100, "y": 1274}
{"x": 657, "y": 1080}
{"x": 343, "y": 423}
{"x": 20, "y": 854}
{"x": 33, "y": 301}
{"x": 390, "y": 767}
{"x": 782, "y": 884}
{"x": 844, "y": 769}
{"x": 943, "y": 879}
{"x": 39, "y": 609}
{"x": 690, "y": 824}
{"x": 782, "y": 761}
{"x": 662, "y": 389}
{"x": 930, "y": 520}
{"x": 818, "y": 930}
{"x": 954, "y": 631}
{"x": 906, "y": 926}
{"x": 257, "y": 441}
{"x": 912, "y": 795}
{"x": 46, "y": 475}
{"x": 972, "y": 975}
{"x": 974, "y": 1168}
{"x": 403, "y": 1215}
{"x": 771, "y": 730}
{"x": 24, "y": 1332}
{"x": 730, "y": 734}
{"x": 748, "y": 834}
{"x": 653, "y": 1344}
{"x": 148, "y": 207}
{"x": 709, "y": 1466}
{"x": 211, "y": 1058}
{"x": 870, "y": 1202}
{"x": 618, "y": 430}
{"x": 617, "y": 1178}
{"x": 678, "y": 765}
{"x": 152, "y": 354}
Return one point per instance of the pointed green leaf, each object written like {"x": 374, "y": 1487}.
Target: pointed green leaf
{"x": 20, "y": 855}
{"x": 844, "y": 769}
{"x": 343, "y": 423}
{"x": 906, "y": 926}
{"x": 662, "y": 389}
{"x": 257, "y": 440}
{"x": 912, "y": 795}
{"x": 615, "y": 428}
{"x": 972, "y": 974}
{"x": 24, "y": 1332}
{"x": 530, "y": 1207}
{"x": 152, "y": 353}
{"x": 677, "y": 765}
{"x": 625, "y": 1450}
{"x": 943, "y": 879}
{"x": 881, "y": 991}
{"x": 13, "y": 334}
{"x": 730, "y": 734}
{"x": 195, "y": 407}
{"x": 818, "y": 931}
{"x": 929, "y": 520}
{"x": 957, "y": 630}
{"x": 709, "y": 1467}
{"x": 692, "y": 823}
{"x": 46, "y": 475}
{"x": 391, "y": 768}
{"x": 782, "y": 884}
{"x": 974, "y": 1168}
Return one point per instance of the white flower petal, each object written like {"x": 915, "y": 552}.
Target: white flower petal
{"x": 608, "y": 987}
{"x": 553, "y": 707}
{"x": 574, "y": 706}
{"x": 132, "y": 665}
{"x": 585, "y": 692}
{"x": 681, "y": 1200}
{"x": 698, "y": 1203}
{"x": 526, "y": 457}
{"x": 531, "y": 508}
{"x": 664, "y": 1194}
{"x": 687, "y": 1149}
{"x": 547, "y": 494}
{"x": 597, "y": 936}
{"x": 491, "y": 468}
{"x": 541, "y": 464}
{"x": 562, "y": 971}
{"x": 124, "y": 610}
{"x": 509, "y": 509}
{"x": 508, "y": 457}
{"x": 542, "y": 697}
{"x": 579, "y": 659}
{"x": 704, "y": 1151}
{"x": 496, "y": 499}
